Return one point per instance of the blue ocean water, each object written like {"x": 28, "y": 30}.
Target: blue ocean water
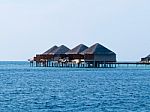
{"x": 32, "y": 89}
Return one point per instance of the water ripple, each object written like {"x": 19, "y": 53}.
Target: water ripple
{"x": 25, "y": 89}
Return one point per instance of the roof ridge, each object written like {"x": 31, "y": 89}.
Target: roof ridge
{"x": 97, "y": 49}
{"x": 95, "y": 46}
{"x": 51, "y": 49}
{"x": 78, "y": 49}
{"x": 60, "y": 48}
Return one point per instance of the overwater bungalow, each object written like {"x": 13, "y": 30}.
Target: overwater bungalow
{"x": 44, "y": 58}
{"x": 74, "y": 54}
{"x": 59, "y": 53}
{"x": 146, "y": 59}
{"x": 80, "y": 56}
{"x": 97, "y": 55}
{"x": 47, "y": 55}
{"x": 52, "y": 56}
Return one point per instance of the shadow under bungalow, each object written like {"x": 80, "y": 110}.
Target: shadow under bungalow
{"x": 96, "y": 56}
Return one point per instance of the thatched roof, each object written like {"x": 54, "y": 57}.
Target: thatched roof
{"x": 60, "y": 50}
{"x": 97, "y": 49}
{"x": 78, "y": 49}
{"x": 50, "y": 50}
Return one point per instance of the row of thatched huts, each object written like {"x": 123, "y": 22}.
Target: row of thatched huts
{"x": 95, "y": 56}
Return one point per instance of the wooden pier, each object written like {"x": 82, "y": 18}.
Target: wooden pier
{"x": 87, "y": 64}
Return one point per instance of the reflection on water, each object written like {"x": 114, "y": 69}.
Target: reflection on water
{"x": 24, "y": 89}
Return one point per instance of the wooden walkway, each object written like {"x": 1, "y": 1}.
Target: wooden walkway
{"x": 87, "y": 65}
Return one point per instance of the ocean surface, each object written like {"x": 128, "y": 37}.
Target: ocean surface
{"x": 32, "y": 89}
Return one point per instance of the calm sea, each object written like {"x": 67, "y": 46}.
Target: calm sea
{"x": 31, "y": 89}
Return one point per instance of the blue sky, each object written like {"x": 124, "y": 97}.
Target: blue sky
{"x": 32, "y": 26}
